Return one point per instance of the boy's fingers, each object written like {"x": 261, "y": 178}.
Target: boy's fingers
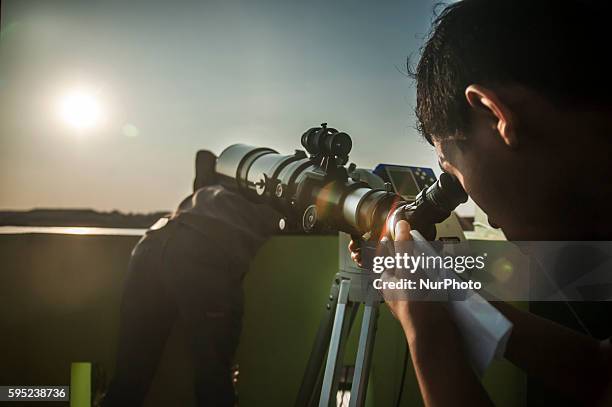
{"x": 353, "y": 246}
{"x": 402, "y": 231}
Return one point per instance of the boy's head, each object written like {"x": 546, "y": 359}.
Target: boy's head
{"x": 515, "y": 96}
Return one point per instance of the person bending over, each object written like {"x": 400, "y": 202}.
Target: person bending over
{"x": 189, "y": 267}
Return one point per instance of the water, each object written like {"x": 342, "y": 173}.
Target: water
{"x": 63, "y": 230}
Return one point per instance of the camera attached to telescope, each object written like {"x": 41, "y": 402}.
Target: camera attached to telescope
{"x": 316, "y": 192}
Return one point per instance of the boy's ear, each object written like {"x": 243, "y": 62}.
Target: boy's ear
{"x": 488, "y": 102}
{"x": 204, "y": 169}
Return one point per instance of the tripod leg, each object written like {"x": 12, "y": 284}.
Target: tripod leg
{"x": 364, "y": 355}
{"x": 336, "y": 347}
{"x": 311, "y": 381}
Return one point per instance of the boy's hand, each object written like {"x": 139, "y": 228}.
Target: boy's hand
{"x": 402, "y": 232}
{"x": 399, "y": 308}
{"x": 355, "y": 252}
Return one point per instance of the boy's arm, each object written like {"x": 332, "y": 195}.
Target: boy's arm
{"x": 444, "y": 374}
{"x": 574, "y": 363}
{"x": 568, "y": 360}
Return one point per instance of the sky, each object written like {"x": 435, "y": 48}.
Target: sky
{"x": 162, "y": 79}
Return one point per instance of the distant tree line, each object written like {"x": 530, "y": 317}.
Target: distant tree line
{"x": 79, "y": 217}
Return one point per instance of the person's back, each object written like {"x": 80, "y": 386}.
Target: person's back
{"x": 237, "y": 225}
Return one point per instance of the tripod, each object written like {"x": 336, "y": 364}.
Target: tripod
{"x": 350, "y": 288}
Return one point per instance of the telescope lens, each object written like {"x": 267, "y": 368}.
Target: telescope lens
{"x": 234, "y": 166}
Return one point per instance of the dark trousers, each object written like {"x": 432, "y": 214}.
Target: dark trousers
{"x": 177, "y": 273}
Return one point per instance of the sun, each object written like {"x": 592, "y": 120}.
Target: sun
{"x": 80, "y": 109}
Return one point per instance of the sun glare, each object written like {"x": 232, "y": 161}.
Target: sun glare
{"x": 81, "y": 109}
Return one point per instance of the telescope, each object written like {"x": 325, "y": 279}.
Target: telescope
{"x": 315, "y": 191}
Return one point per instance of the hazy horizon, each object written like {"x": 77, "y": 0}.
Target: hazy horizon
{"x": 169, "y": 78}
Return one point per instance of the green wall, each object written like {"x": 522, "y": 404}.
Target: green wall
{"x": 60, "y": 303}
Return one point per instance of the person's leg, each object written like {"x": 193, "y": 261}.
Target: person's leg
{"x": 147, "y": 315}
{"x": 215, "y": 333}
{"x": 209, "y": 298}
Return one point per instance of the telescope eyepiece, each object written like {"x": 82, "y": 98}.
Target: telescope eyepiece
{"x": 447, "y": 193}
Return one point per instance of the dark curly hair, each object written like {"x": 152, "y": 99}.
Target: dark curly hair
{"x": 559, "y": 48}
